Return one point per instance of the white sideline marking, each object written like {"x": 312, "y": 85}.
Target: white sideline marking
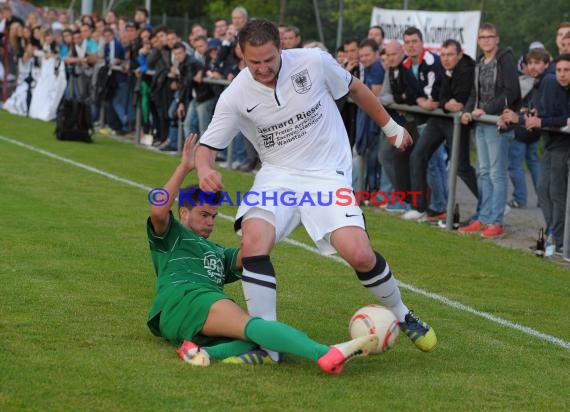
{"x": 454, "y": 304}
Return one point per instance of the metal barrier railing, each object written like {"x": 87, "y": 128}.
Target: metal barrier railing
{"x": 454, "y": 155}
{"x": 103, "y": 107}
{"x": 138, "y": 118}
{"x": 454, "y": 163}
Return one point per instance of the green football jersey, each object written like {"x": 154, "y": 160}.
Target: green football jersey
{"x": 185, "y": 260}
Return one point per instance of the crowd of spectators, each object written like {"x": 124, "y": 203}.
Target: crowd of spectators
{"x": 116, "y": 61}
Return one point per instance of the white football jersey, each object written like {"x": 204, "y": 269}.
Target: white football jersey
{"x": 296, "y": 125}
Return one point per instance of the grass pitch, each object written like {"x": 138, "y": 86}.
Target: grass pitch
{"x": 77, "y": 281}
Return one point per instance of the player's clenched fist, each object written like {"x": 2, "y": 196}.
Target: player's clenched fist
{"x": 211, "y": 181}
{"x": 397, "y": 135}
{"x": 405, "y": 143}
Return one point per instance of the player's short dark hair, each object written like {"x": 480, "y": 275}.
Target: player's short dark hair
{"x": 563, "y": 57}
{"x": 257, "y": 33}
{"x": 410, "y": 31}
{"x": 143, "y": 10}
{"x": 350, "y": 41}
{"x": 294, "y": 29}
{"x": 538, "y": 54}
{"x": 178, "y": 45}
{"x": 379, "y": 28}
{"x": 161, "y": 29}
{"x": 452, "y": 43}
{"x": 199, "y": 197}
{"x": 488, "y": 27}
{"x": 369, "y": 43}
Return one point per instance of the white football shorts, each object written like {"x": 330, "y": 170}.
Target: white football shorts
{"x": 322, "y": 201}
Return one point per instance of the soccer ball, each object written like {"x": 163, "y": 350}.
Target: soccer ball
{"x": 375, "y": 320}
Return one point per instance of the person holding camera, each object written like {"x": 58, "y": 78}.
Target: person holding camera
{"x": 525, "y": 144}
{"x": 548, "y": 107}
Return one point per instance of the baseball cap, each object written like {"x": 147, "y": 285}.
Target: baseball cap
{"x": 536, "y": 45}
{"x": 214, "y": 44}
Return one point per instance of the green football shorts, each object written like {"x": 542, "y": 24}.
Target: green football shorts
{"x": 184, "y": 318}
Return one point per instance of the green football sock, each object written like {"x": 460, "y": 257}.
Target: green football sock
{"x": 280, "y": 337}
{"x": 227, "y": 349}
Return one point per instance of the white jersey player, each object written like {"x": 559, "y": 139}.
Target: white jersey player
{"x": 284, "y": 103}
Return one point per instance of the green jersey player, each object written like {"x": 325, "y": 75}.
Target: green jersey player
{"x": 190, "y": 308}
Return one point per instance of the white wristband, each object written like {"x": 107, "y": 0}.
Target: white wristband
{"x": 394, "y": 129}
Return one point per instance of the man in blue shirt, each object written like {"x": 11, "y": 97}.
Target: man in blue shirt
{"x": 367, "y": 140}
{"x": 114, "y": 53}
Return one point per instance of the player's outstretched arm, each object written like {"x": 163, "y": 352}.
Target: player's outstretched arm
{"x": 210, "y": 179}
{"x": 159, "y": 215}
{"x": 367, "y": 101}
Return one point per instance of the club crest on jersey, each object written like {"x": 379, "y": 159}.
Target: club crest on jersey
{"x": 268, "y": 140}
{"x": 301, "y": 82}
{"x": 214, "y": 267}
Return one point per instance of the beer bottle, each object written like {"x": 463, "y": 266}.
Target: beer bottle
{"x": 540, "y": 244}
{"x": 456, "y": 218}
